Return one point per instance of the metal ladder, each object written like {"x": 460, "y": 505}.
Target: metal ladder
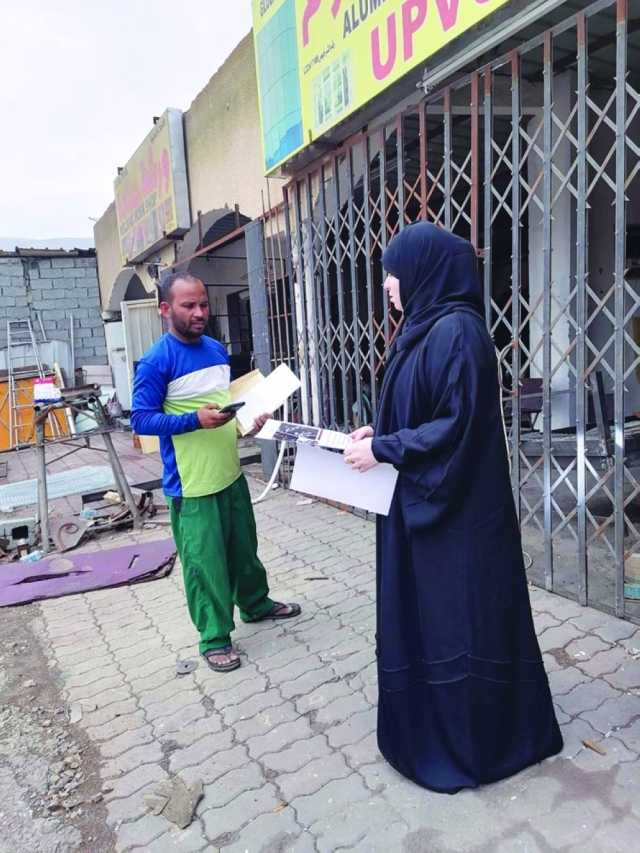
{"x": 20, "y": 334}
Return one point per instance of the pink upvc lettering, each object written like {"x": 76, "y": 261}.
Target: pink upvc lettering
{"x": 414, "y": 13}
{"x": 448, "y": 10}
{"x": 312, "y": 7}
{"x": 309, "y": 11}
{"x": 383, "y": 69}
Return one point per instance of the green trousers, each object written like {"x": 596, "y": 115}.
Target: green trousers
{"x": 218, "y": 548}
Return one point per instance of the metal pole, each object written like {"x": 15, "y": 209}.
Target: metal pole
{"x": 488, "y": 191}
{"x": 620, "y": 235}
{"x": 355, "y": 306}
{"x": 319, "y": 290}
{"x": 341, "y": 319}
{"x": 291, "y": 278}
{"x": 72, "y": 342}
{"x": 515, "y": 273}
{"x": 400, "y": 172}
{"x": 327, "y": 301}
{"x": 383, "y": 231}
{"x": 546, "y": 307}
{"x": 257, "y": 269}
{"x": 582, "y": 265}
{"x": 368, "y": 251}
{"x": 314, "y": 309}
{"x": 122, "y": 483}
{"x": 299, "y": 307}
{"x": 447, "y": 158}
{"x": 43, "y": 499}
{"x": 422, "y": 112}
{"x": 475, "y": 159}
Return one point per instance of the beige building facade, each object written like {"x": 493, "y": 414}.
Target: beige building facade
{"x": 223, "y": 153}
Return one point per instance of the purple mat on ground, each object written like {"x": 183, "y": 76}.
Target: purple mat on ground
{"x": 58, "y": 575}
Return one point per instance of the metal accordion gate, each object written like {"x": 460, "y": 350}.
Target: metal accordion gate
{"x": 534, "y": 158}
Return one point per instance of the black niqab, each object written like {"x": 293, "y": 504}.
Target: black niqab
{"x": 438, "y": 275}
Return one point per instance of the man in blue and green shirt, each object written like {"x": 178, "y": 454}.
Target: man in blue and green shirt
{"x": 180, "y": 386}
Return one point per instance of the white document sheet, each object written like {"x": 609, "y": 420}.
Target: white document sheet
{"x": 266, "y": 396}
{"x": 325, "y": 474}
{"x": 301, "y": 433}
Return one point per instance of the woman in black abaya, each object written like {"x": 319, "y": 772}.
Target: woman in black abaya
{"x": 463, "y": 695}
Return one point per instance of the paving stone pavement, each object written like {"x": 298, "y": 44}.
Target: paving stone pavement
{"x": 286, "y": 745}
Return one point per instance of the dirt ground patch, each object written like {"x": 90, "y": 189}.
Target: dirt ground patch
{"x": 50, "y": 789}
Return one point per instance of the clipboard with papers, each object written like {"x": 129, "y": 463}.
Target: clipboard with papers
{"x": 320, "y": 471}
{"x": 301, "y": 433}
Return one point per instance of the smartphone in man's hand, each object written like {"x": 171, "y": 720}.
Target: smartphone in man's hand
{"x": 231, "y": 408}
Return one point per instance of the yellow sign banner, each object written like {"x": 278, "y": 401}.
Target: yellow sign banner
{"x": 320, "y": 60}
{"x": 151, "y": 191}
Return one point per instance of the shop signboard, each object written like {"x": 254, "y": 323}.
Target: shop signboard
{"x": 152, "y": 202}
{"x": 320, "y": 60}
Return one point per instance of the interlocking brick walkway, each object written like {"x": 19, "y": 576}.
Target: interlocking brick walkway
{"x": 286, "y": 745}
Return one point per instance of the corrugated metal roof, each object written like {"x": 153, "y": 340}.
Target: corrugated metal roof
{"x": 215, "y": 225}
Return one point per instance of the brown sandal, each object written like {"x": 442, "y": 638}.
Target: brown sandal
{"x": 232, "y": 663}
{"x": 281, "y": 611}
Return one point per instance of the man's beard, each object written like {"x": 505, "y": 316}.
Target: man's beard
{"x": 187, "y": 331}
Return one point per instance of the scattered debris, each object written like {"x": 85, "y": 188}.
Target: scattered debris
{"x": 184, "y": 667}
{"x": 590, "y": 744}
{"x": 175, "y": 800}
{"x": 32, "y": 557}
{"x": 55, "y": 576}
{"x": 67, "y": 533}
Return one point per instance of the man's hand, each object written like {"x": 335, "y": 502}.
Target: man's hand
{"x": 359, "y": 454}
{"x": 259, "y": 422}
{"x": 362, "y": 432}
{"x": 210, "y": 416}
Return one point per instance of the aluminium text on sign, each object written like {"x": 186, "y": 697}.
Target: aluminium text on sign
{"x": 152, "y": 202}
{"x": 320, "y": 60}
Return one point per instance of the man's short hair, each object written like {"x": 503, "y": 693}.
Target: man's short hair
{"x": 167, "y": 281}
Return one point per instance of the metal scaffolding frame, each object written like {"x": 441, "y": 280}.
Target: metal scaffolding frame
{"x": 534, "y": 158}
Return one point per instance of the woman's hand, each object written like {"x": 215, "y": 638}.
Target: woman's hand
{"x": 259, "y": 422}
{"x": 362, "y": 432}
{"x": 360, "y": 455}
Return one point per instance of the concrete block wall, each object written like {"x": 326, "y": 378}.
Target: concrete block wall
{"x": 54, "y": 288}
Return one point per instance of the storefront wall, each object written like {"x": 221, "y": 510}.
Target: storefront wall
{"x": 534, "y": 158}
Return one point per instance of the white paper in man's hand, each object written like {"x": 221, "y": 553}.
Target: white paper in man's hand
{"x": 266, "y": 396}
{"x": 324, "y": 474}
